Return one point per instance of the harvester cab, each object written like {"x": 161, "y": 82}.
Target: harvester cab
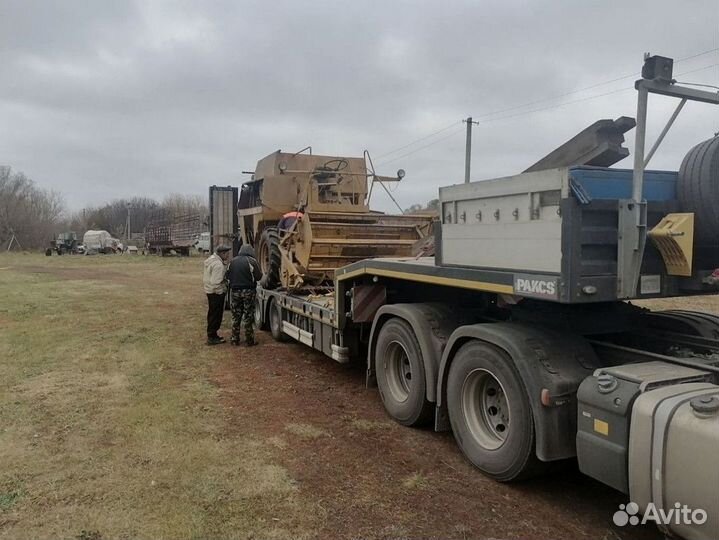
{"x": 336, "y": 226}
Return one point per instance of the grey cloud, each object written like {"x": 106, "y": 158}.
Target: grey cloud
{"x": 114, "y": 99}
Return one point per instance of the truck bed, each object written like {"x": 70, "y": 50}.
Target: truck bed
{"x": 424, "y": 270}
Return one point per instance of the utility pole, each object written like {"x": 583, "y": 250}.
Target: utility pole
{"x": 468, "y": 148}
{"x": 128, "y": 234}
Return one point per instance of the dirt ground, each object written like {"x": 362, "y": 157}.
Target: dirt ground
{"x": 375, "y": 479}
{"x": 155, "y": 435}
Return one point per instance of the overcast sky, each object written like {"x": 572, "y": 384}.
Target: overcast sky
{"x": 108, "y": 99}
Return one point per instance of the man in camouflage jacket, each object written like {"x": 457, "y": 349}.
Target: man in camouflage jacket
{"x": 243, "y": 274}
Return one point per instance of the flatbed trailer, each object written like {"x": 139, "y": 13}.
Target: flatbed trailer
{"x": 177, "y": 234}
{"x": 521, "y": 336}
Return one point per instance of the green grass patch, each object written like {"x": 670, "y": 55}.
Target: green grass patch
{"x": 7, "y": 500}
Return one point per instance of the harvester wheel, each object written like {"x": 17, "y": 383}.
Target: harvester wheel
{"x": 269, "y": 258}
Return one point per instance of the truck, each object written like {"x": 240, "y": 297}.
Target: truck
{"x": 522, "y": 335}
{"x": 202, "y": 243}
{"x": 65, "y": 242}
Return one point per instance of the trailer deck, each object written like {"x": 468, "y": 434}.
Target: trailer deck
{"x": 423, "y": 270}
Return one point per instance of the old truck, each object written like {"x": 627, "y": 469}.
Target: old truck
{"x": 65, "y": 242}
{"x": 522, "y": 335}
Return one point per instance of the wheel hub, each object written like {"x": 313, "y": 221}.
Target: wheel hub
{"x": 398, "y": 370}
{"x": 486, "y": 409}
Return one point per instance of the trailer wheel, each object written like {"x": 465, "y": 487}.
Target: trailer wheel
{"x": 260, "y": 322}
{"x": 269, "y": 258}
{"x": 400, "y": 374}
{"x": 276, "y": 322}
{"x": 490, "y": 414}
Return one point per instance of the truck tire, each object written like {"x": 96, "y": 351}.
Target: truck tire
{"x": 698, "y": 189}
{"x": 260, "y": 321}
{"x": 400, "y": 374}
{"x": 269, "y": 258}
{"x": 490, "y": 414}
{"x": 275, "y": 316}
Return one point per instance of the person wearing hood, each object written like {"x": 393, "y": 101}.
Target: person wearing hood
{"x": 243, "y": 274}
{"x": 216, "y": 290}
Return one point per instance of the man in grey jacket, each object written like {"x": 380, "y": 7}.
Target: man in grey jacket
{"x": 216, "y": 290}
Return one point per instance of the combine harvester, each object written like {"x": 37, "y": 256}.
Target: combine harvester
{"x": 337, "y": 227}
{"x": 519, "y": 336}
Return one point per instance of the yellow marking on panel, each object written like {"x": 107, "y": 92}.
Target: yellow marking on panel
{"x": 600, "y": 426}
{"x": 435, "y": 280}
{"x": 674, "y": 238}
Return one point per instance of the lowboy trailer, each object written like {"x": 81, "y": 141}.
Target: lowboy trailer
{"x": 519, "y": 337}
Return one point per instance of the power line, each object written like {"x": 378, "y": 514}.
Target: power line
{"x": 557, "y": 105}
{"x": 523, "y": 113}
{"x": 417, "y": 140}
{"x": 461, "y": 129}
{"x": 696, "y": 55}
{"x": 535, "y": 102}
{"x": 617, "y": 79}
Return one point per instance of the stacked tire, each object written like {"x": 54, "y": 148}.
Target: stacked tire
{"x": 698, "y": 190}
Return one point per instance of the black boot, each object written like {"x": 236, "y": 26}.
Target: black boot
{"x": 215, "y": 340}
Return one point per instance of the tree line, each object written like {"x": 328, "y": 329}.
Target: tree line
{"x": 112, "y": 216}
{"x": 431, "y": 206}
{"x": 28, "y": 213}
{"x": 34, "y": 216}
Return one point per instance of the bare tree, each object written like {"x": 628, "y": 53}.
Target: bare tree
{"x": 112, "y": 216}
{"x": 432, "y": 206}
{"x": 27, "y": 211}
{"x": 176, "y": 204}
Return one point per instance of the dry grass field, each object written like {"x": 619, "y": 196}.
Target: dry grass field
{"x": 111, "y": 426}
{"x": 116, "y": 421}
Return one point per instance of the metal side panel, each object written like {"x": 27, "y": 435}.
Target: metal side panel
{"x": 297, "y": 333}
{"x": 223, "y": 216}
{"x": 512, "y": 223}
{"x": 534, "y": 182}
{"x": 534, "y": 246}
